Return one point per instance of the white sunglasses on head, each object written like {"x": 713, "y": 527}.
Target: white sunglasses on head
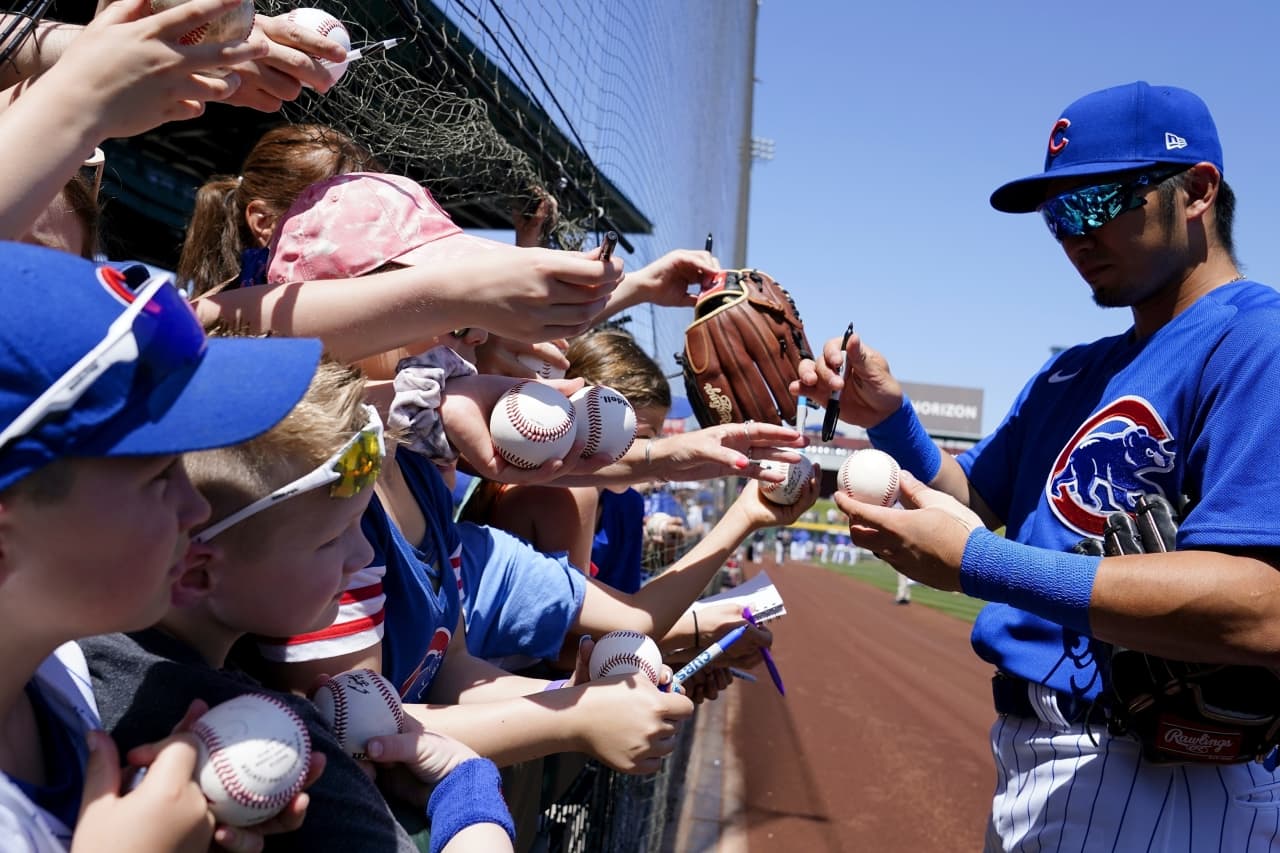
{"x": 352, "y": 469}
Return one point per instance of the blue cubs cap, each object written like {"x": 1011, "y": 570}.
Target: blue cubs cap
{"x": 1115, "y": 130}
{"x": 179, "y": 393}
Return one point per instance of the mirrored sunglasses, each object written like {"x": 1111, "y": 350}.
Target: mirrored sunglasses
{"x": 347, "y": 473}
{"x": 158, "y": 329}
{"x": 1078, "y": 212}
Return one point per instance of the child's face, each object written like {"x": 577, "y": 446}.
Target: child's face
{"x": 649, "y": 420}
{"x": 103, "y": 558}
{"x": 290, "y": 582}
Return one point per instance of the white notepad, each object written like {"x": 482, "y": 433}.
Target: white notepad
{"x": 759, "y": 594}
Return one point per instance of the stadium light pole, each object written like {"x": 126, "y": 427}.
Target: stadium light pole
{"x": 747, "y": 150}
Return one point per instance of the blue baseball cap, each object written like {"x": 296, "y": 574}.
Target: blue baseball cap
{"x": 1115, "y": 130}
{"x": 58, "y": 307}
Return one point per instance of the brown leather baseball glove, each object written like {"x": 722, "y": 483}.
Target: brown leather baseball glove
{"x": 1185, "y": 712}
{"x": 743, "y": 350}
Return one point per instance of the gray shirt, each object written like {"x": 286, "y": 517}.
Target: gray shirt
{"x": 144, "y": 683}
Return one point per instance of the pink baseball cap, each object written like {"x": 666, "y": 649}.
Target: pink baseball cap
{"x": 350, "y": 224}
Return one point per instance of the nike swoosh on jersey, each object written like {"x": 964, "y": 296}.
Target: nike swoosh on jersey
{"x": 1058, "y": 376}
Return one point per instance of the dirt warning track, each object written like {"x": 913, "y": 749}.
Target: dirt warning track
{"x": 881, "y": 743}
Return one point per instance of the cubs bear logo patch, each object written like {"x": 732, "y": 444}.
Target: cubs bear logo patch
{"x": 1109, "y": 461}
{"x": 415, "y": 687}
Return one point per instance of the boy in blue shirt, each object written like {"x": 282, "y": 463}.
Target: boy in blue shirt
{"x": 103, "y": 385}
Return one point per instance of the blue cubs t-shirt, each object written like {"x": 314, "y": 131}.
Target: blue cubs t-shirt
{"x": 423, "y": 581}
{"x": 519, "y": 600}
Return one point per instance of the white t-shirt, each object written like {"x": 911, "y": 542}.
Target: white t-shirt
{"x": 64, "y": 682}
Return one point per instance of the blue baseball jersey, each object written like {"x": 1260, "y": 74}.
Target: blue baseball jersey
{"x": 618, "y": 546}
{"x": 519, "y": 600}
{"x": 423, "y": 581}
{"x": 1191, "y": 411}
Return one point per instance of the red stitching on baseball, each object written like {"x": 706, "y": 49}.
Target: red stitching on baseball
{"x": 392, "y": 699}
{"x": 628, "y": 657}
{"x": 228, "y": 775}
{"x": 889, "y": 489}
{"x": 518, "y": 461}
{"x": 531, "y": 430}
{"x": 323, "y": 28}
{"x": 595, "y": 426}
{"x": 194, "y": 36}
{"x": 339, "y": 710}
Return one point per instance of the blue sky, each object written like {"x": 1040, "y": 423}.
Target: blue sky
{"x": 893, "y": 123}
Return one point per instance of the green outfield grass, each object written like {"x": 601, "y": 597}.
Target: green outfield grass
{"x": 882, "y": 576}
{"x": 824, "y": 504}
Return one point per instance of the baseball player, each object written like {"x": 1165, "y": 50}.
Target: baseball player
{"x": 1178, "y": 406}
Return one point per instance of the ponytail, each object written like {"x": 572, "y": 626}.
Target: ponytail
{"x": 211, "y": 251}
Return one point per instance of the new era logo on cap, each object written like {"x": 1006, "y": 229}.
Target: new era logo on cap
{"x": 1173, "y": 140}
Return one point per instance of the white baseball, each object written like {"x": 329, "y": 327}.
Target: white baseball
{"x": 254, "y": 752}
{"x": 655, "y": 526}
{"x": 625, "y": 652}
{"x": 795, "y": 477}
{"x": 870, "y": 476}
{"x": 541, "y": 368}
{"x": 358, "y": 705}
{"x": 532, "y": 424}
{"x": 320, "y": 21}
{"x": 606, "y": 420}
{"x": 233, "y": 25}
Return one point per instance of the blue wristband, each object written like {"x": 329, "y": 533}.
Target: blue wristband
{"x": 470, "y": 794}
{"x": 1054, "y": 585}
{"x": 903, "y": 437}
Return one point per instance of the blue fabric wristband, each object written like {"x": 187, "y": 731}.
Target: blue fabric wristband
{"x": 903, "y": 437}
{"x": 470, "y": 794}
{"x": 1054, "y": 585}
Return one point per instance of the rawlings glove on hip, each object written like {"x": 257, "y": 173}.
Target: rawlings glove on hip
{"x": 1185, "y": 712}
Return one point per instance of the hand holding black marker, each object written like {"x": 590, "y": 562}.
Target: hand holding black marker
{"x": 833, "y": 402}
{"x": 610, "y": 240}
{"x": 705, "y": 657}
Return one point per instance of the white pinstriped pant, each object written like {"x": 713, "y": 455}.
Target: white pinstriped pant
{"x": 1057, "y": 791}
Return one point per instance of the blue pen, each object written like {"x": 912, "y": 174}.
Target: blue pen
{"x": 707, "y": 655}
{"x": 745, "y": 676}
{"x": 768, "y": 657}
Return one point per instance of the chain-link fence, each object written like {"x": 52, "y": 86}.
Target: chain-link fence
{"x": 587, "y": 807}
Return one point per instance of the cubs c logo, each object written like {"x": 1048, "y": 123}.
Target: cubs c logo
{"x": 1108, "y": 463}
{"x": 1058, "y": 136}
{"x": 116, "y": 284}
{"x": 415, "y": 687}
